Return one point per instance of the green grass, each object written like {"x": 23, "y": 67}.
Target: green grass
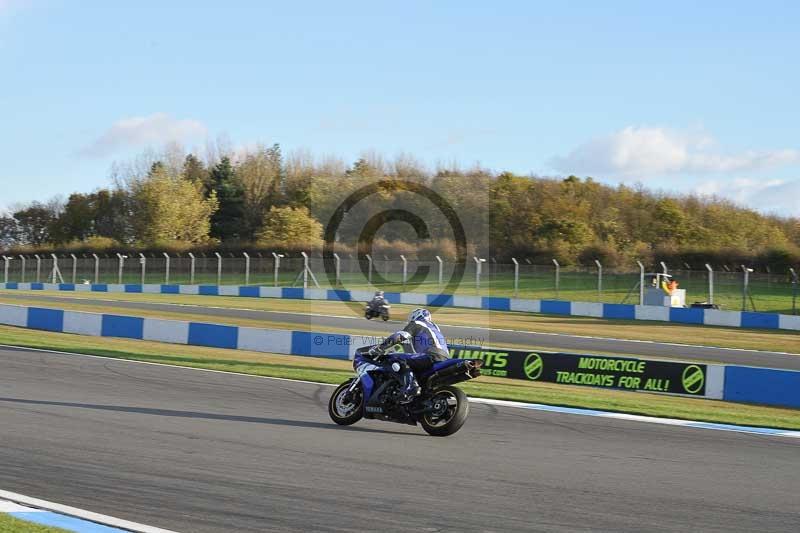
{"x": 336, "y": 371}
{"x": 9, "y": 524}
{"x": 768, "y": 340}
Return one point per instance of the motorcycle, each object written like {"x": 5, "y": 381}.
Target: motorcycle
{"x": 373, "y": 311}
{"x": 441, "y": 409}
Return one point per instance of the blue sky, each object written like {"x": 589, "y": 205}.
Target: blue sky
{"x": 679, "y": 96}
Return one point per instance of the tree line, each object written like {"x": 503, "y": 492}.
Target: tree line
{"x": 259, "y": 199}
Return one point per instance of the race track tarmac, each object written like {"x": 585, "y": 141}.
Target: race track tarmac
{"x": 199, "y": 451}
{"x": 472, "y": 335}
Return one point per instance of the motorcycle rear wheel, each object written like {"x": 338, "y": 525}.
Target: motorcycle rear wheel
{"x": 451, "y": 416}
{"x": 345, "y": 412}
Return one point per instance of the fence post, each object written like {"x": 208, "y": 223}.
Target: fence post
{"x": 191, "y": 268}
{"x": 641, "y": 282}
{"x": 516, "y": 277}
{"x": 664, "y": 267}
{"x": 599, "y": 278}
{"x": 710, "y": 284}
{"x": 478, "y": 264}
{"x": 143, "y": 262}
{"x": 38, "y": 268}
{"x": 121, "y": 264}
{"x": 219, "y": 268}
{"x": 96, "y": 269}
{"x": 558, "y": 276}
{"x": 338, "y": 263}
{"x": 745, "y": 287}
{"x": 166, "y": 268}
{"x": 369, "y": 268}
{"x": 305, "y": 269}
{"x": 55, "y": 269}
{"x": 22, "y": 257}
{"x": 794, "y": 290}
{"x": 74, "y": 268}
{"x": 276, "y": 267}
{"x": 405, "y": 270}
{"x": 441, "y": 266}
{"x": 246, "y": 268}
{"x": 5, "y": 269}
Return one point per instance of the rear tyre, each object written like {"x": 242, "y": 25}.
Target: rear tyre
{"x": 346, "y": 408}
{"x": 451, "y": 408}
{"x": 385, "y": 317}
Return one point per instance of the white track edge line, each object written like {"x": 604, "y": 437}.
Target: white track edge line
{"x": 80, "y": 513}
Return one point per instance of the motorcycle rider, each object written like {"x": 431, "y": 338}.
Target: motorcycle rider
{"x": 377, "y": 301}
{"x": 427, "y": 344}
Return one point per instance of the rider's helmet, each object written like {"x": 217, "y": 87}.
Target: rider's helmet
{"x": 379, "y": 293}
{"x": 419, "y": 314}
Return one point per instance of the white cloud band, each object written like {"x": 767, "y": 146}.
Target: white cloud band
{"x": 133, "y": 132}
{"x": 643, "y": 152}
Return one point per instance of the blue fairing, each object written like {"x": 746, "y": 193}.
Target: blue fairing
{"x": 366, "y": 387}
{"x": 367, "y": 383}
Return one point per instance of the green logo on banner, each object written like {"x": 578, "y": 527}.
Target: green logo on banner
{"x": 533, "y": 366}
{"x": 693, "y": 379}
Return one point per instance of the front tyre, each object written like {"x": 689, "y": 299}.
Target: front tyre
{"x": 344, "y": 407}
{"x": 450, "y": 411}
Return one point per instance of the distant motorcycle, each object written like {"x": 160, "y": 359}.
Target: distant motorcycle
{"x": 375, "y": 392}
{"x": 375, "y": 310}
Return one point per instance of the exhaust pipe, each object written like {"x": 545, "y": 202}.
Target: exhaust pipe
{"x": 469, "y": 367}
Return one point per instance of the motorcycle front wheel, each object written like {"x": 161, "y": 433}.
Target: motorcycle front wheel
{"x": 450, "y": 411}
{"x": 345, "y": 407}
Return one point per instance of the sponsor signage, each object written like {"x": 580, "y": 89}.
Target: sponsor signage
{"x": 590, "y": 370}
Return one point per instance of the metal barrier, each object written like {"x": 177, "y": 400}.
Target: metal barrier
{"x": 738, "y": 288}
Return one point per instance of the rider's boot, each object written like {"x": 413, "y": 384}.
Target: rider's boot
{"x": 411, "y": 388}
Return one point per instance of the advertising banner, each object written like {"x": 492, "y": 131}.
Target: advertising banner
{"x": 589, "y": 370}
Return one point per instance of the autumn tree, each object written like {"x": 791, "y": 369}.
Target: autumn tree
{"x": 170, "y": 208}
{"x": 261, "y": 178}
{"x": 195, "y": 171}
{"x": 290, "y": 225}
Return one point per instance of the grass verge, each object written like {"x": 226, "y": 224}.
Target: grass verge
{"x": 768, "y": 340}
{"x": 10, "y": 524}
{"x": 336, "y": 371}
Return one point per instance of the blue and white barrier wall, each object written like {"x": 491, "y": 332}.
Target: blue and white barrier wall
{"x": 709, "y": 317}
{"x": 730, "y": 383}
{"x": 332, "y": 345}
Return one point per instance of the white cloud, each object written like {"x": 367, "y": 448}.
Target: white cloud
{"x": 643, "y": 152}
{"x": 768, "y": 196}
{"x": 157, "y": 128}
